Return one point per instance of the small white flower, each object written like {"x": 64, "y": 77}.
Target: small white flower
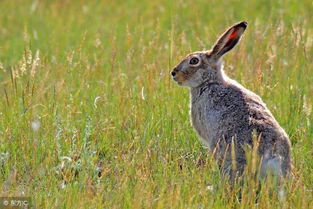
{"x": 35, "y": 125}
{"x": 210, "y": 188}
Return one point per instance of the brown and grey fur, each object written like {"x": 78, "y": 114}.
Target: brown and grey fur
{"x": 225, "y": 114}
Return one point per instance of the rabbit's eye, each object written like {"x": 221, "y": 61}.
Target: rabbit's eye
{"x": 194, "y": 61}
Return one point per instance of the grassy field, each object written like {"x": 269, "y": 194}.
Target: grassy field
{"x": 89, "y": 116}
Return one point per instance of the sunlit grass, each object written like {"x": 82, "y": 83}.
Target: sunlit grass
{"x": 89, "y": 116}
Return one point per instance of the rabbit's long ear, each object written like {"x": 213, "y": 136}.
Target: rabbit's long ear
{"x": 229, "y": 39}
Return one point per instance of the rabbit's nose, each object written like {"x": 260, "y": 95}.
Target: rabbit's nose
{"x": 174, "y": 72}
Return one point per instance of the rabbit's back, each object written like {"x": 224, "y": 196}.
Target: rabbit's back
{"x": 222, "y": 113}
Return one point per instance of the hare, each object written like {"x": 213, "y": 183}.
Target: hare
{"x": 225, "y": 114}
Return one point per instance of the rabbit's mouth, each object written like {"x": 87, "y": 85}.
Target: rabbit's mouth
{"x": 180, "y": 83}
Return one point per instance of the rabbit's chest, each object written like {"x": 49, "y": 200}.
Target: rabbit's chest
{"x": 205, "y": 120}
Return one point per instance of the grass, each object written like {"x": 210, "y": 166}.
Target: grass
{"x": 89, "y": 116}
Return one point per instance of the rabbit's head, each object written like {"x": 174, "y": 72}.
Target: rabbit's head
{"x": 205, "y": 66}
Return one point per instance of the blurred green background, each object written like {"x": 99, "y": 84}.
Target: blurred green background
{"x": 89, "y": 116}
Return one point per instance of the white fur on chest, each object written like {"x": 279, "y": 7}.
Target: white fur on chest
{"x": 205, "y": 120}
